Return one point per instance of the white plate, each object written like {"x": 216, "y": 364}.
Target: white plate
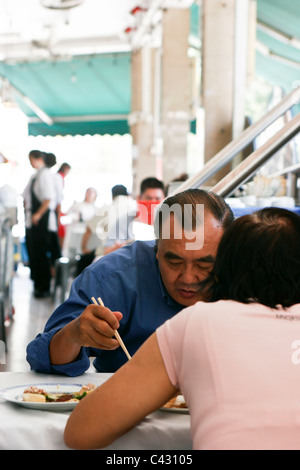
{"x": 15, "y": 395}
{"x": 179, "y": 400}
{"x": 176, "y": 410}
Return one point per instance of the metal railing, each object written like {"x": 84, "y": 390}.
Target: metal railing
{"x": 6, "y": 272}
{"x": 242, "y": 172}
{"x": 235, "y": 147}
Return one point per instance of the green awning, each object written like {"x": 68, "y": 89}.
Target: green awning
{"x": 280, "y": 64}
{"x": 84, "y": 86}
{"x": 80, "y": 128}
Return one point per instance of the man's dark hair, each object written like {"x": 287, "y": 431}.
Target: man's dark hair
{"x": 258, "y": 259}
{"x": 151, "y": 183}
{"x": 184, "y": 205}
{"x": 36, "y": 154}
{"x": 119, "y": 190}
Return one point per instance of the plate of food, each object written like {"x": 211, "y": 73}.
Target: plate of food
{"x": 47, "y": 396}
{"x": 177, "y": 404}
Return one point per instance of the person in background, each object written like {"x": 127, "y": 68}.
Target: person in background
{"x": 121, "y": 214}
{"x": 40, "y": 221}
{"x": 151, "y": 189}
{"x": 85, "y": 210}
{"x": 141, "y": 284}
{"x": 111, "y": 226}
{"x": 151, "y": 194}
{"x": 64, "y": 169}
{"x": 78, "y": 216}
{"x": 62, "y": 172}
{"x": 235, "y": 359}
{"x": 175, "y": 183}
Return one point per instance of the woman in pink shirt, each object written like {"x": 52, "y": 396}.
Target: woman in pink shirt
{"x": 235, "y": 359}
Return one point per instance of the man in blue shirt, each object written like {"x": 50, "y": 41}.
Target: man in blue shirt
{"x": 141, "y": 285}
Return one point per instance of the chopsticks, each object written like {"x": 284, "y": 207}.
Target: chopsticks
{"x": 116, "y": 332}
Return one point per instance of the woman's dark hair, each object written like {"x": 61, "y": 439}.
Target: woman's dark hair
{"x": 50, "y": 159}
{"x": 184, "y": 207}
{"x": 64, "y": 166}
{"x": 258, "y": 259}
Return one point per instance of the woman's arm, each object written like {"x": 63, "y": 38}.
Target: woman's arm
{"x": 138, "y": 388}
{"x": 41, "y": 211}
{"x": 85, "y": 239}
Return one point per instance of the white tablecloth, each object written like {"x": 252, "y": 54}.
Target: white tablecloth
{"x": 27, "y": 429}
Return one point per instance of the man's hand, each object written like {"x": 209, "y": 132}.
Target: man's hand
{"x": 93, "y": 328}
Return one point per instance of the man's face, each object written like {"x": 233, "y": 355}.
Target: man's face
{"x": 152, "y": 194}
{"x": 182, "y": 270}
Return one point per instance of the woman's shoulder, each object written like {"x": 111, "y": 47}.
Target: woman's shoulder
{"x": 200, "y": 310}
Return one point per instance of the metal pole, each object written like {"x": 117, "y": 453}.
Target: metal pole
{"x": 250, "y": 165}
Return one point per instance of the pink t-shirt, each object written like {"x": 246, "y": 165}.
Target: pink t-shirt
{"x": 238, "y": 366}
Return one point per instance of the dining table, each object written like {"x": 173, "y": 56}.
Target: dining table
{"x": 25, "y": 428}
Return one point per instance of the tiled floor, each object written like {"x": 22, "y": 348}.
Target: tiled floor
{"x": 28, "y": 320}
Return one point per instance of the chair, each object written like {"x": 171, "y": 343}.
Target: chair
{"x": 64, "y": 268}
{"x": 6, "y": 274}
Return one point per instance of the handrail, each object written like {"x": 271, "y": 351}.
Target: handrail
{"x": 250, "y": 165}
{"x": 289, "y": 169}
{"x": 234, "y": 147}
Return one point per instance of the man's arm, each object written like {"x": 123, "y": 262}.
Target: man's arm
{"x": 93, "y": 328}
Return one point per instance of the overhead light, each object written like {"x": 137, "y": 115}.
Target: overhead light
{"x": 61, "y": 4}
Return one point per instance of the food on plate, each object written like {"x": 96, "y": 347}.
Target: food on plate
{"x": 176, "y": 402}
{"x": 40, "y": 395}
{"x": 35, "y": 397}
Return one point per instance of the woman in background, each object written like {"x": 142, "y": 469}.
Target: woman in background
{"x": 40, "y": 220}
{"x": 235, "y": 359}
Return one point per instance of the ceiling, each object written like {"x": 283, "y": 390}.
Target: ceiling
{"x": 72, "y": 27}
{"x": 91, "y": 27}
{"x": 69, "y": 67}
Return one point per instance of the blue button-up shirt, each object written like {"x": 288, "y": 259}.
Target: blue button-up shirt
{"x": 128, "y": 280}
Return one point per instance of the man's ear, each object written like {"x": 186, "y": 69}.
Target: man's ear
{"x": 156, "y": 248}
